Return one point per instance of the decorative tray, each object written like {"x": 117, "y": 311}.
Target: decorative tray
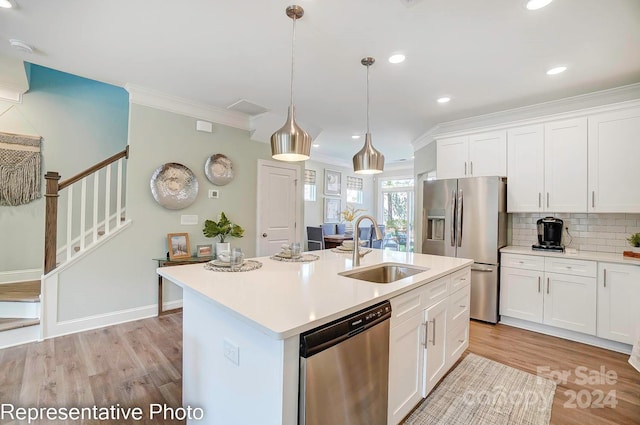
{"x": 220, "y": 266}
{"x": 631, "y": 254}
{"x": 304, "y": 258}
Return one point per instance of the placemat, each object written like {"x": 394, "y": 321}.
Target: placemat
{"x": 247, "y": 266}
{"x": 304, "y": 258}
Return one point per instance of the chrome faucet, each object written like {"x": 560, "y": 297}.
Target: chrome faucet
{"x": 356, "y": 237}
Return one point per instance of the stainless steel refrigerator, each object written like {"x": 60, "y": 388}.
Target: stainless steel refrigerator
{"x": 467, "y": 218}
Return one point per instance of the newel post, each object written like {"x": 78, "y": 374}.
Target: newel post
{"x": 51, "y": 221}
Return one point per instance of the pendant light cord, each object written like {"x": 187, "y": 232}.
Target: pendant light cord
{"x": 293, "y": 57}
{"x": 368, "y": 99}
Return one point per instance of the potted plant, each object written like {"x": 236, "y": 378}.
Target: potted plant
{"x": 222, "y": 229}
{"x": 634, "y": 241}
{"x": 348, "y": 215}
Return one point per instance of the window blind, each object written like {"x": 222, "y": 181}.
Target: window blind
{"x": 309, "y": 176}
{"x": 354, "y": 183}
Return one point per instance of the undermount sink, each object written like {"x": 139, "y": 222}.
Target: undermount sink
{"x": 384, "y": 273}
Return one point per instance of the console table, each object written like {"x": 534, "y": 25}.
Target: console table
{"x": 165, "y": 262}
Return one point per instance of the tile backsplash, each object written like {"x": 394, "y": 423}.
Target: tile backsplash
{"x": 587, "y": 232}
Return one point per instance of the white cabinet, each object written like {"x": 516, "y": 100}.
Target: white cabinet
{"x": 525, "y": 169}
{"x": 613, "y": 161}
{"x": 483, "y": 154}
{"x": 429, "y": 333}
{"x": 565, "y": 165}
{"x": 555, "y": 291}
{"x": 435, "y": 357}
{"x": 547, "y": 167}
{"x": 406, "y": 358}
{"x": 618, "y": 301}
{"x": 521, "y": 294}
{"x": 451, "y": 157}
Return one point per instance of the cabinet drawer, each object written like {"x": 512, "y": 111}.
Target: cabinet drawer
{"x": 570, "y": 266}
{"x": 406, "y": 305}
{"x": 459, "y": 280}
{"x": 457, "y": 342}
{"x": 458, "y": 310}
{"x": 518, "y": 261}
{"x": 436, "y": 291}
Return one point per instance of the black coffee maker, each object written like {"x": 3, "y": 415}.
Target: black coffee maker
{"x": 549, "y": 235}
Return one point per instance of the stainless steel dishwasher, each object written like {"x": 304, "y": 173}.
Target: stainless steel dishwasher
{"x": 344, "y": 370}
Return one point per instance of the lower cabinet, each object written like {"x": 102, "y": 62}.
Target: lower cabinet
{"x": 435, "y": 358}
{"x": 429, "y": 333}
{"x": 564, "y": 298}
{"x": 618, "y": 301}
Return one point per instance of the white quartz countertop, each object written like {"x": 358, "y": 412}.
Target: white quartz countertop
{"x": 283, "y": 299}
{"x": 579, "y": 255}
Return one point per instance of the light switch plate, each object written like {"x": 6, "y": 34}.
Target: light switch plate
{"x": 214, "y": 194}
{"x": 232, "y": 352}
{"x": 205, "y": 126}
{"x": 188, "y": 219}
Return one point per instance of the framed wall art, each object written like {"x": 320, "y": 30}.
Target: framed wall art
{"x": 332, "y": 183}
{"x": 204, "y": 250}
{"x": 178, "y": 246}
{"x": 332, "y": 208}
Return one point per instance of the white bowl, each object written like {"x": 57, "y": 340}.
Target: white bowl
{"x": 224, "y": 256}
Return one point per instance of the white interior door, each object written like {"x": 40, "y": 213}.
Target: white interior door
{"x": 279, "y": 206}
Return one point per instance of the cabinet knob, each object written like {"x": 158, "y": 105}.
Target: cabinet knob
{"x": 264, "y": 235}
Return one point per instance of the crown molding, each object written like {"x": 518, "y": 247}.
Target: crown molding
{"x": 569, "y": 107}
{"x": 148, "y": 97}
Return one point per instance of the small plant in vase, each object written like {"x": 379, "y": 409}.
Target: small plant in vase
{"x": 348, "y": 215}
{"x": 634, "y": 241}
{"x": 222, "y": 229}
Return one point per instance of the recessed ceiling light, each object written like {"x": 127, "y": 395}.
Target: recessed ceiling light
{"x": 413, "y": 156}
{"x": 444, "y": 99}
{"x": 355, "y": 136}
{"x": 6, "y": 4}
{"x": 315, "y": 145}
{"x": 556, "y": 70}
{"x": 20, "y": 45}
{"x": 397, "y": 58}
{"x": 537, "y": 4}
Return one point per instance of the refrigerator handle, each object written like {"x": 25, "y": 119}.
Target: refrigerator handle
{"x": 453, "y": 217}
{"x": 459, "y": 213}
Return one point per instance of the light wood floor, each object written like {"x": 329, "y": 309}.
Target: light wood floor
{"x": 527, "y": 351}
{"x": 139, "y": 363}
{"x": 133, "y": 364}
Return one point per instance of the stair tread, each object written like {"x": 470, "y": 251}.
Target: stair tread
{"x": 28, "y": 291}
{"x": 6, "y": 324}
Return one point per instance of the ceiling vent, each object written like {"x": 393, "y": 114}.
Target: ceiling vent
{"x": 247, "y": 107}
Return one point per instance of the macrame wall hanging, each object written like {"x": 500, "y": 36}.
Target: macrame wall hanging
{"x": 20, "y": 177}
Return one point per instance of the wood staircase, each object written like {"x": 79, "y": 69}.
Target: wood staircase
{"x": 19, "y": 312}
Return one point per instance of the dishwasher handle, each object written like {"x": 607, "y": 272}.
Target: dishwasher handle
{"x": 319, "y": 339}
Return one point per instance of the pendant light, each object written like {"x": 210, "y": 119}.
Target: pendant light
{"x": 368, "y": 160}
{"x": 291, "y": 143}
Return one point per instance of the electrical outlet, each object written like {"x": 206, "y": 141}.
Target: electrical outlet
{"x": 232, "y": 352}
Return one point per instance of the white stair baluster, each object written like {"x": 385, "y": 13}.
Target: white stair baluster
{"x": 96, "y": 189}
{"x": 69, "y": 220}
{"x": 83, "y": 212}
{"x": 107, "y": 199}
{"x": 119, "y": 195}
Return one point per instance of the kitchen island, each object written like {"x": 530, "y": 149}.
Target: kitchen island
{"x": 241, "y": 330}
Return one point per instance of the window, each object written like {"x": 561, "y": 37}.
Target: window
{"x": 354, "y": 190}
{"x": 396, "y": 211}
{"x": 309, "y": 185}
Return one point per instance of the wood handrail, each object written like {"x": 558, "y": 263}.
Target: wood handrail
{"x": 51, "y": 205}
{"x": 93, "y": 169}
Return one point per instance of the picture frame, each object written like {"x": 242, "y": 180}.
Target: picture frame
{"x": 179, "y": 246}
{"x": 204, "y": 250}
{"x": 332, "y": 182}
{"x": 332, "y": 208}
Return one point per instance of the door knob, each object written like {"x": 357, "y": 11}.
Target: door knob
{"x": 264, "y": 235}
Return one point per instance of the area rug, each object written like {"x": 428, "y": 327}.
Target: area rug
{"x": 480, "y": 391}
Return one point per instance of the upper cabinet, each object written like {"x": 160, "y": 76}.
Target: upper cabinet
{"x": 477, "y": 155}
{"x": 547, "y": 167}
{"x": 614, "y": 149}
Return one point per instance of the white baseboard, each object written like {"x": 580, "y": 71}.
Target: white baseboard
{"x": 22, "y": 310}
{"x": 67, "y": 327}
{"x": 19, "y": 336}
{"x": 566, "y": 334}
{"x": 12, "y": 276}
